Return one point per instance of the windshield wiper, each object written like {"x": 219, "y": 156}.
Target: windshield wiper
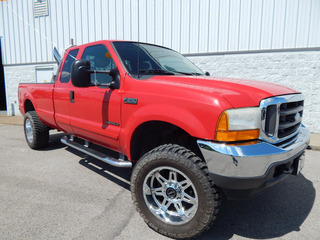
{"x": 157, "y": 71}
{"x": 187, "y": 73}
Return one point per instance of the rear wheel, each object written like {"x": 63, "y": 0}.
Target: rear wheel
{"x": 173, "y": 192}
{"x": 36, "y": 133}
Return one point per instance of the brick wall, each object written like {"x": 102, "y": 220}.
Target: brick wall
{"x": 297, "y": 70}
{"x": 14, "y": 75}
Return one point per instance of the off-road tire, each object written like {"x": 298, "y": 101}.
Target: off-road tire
{"x": 40, "y": 132}
{"x": 179, "y": 158}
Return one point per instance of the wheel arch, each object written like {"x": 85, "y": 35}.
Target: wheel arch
{"x": 28, "y": 106}
{"x": 151, "y": 134}
{"x": 193, "y": 124}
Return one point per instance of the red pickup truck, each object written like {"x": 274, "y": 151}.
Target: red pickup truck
{"x": 189, "y": 137}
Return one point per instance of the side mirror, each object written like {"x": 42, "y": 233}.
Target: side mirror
{"x": 80, "y": 73}
{"x": 207, "y": 73}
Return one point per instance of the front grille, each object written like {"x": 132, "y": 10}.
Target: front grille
{"x": 281, "y": 117}
{"x": 271, "y": 119}
{"x": 290, "y": 118}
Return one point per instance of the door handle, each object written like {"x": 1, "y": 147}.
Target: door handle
{"x": 72, "y": 96}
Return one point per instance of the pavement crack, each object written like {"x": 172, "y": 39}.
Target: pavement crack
{"x": 119, "y": 211}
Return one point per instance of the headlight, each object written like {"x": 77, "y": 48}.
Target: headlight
{"x": 239, "y": 124}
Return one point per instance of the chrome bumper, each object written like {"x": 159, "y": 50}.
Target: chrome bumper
{"x": 250, "y": 161}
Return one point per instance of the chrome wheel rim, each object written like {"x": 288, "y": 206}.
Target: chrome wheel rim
{"x": 170, "y": 195}
{"x": 29, "y": 131}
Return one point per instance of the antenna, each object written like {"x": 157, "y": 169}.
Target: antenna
{"x": 71, "y": 42}
{"x": 138, "y": 65}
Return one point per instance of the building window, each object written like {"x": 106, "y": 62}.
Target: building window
{"x": 40, "y": 8}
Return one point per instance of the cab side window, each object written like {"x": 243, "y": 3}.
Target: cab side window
{"x": 100, "y": 60}
{"x": 65, "y": 73}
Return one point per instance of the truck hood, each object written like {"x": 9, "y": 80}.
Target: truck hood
{"x": 238, "y": 92}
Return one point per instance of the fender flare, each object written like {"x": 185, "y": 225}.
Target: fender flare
{"x": 169, "y": 114}
{"x": 28, "y": 97}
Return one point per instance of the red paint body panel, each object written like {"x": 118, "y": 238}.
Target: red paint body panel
{"x": 61, "y": 104}
{"x": 61, "y": 98}
{"x": 191, "y": 103}
{"x": 90, "y": 113}
{"x": 239, "y": 92}
{"x": 41, "y": 97}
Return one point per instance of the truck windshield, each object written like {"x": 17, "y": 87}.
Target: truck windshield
{"x": 144, "y": 59}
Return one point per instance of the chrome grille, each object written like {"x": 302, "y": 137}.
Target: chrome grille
{"x": 290, "y": 118}
{"x": 281, "y": 117}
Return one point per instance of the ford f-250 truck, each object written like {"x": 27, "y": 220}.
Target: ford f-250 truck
{"x": 189, "y": 137}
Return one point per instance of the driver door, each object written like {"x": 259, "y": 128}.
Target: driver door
{"x": 95, "y": 110}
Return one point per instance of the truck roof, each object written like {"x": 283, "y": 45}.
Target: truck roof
{"x": 109, "y": 41}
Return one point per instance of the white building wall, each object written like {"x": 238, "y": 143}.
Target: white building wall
{"x": 188, "y": 26}
{"x": 201, "y": 27}
{"x": 297, "y": 70}
{"x": 16, "y": 74}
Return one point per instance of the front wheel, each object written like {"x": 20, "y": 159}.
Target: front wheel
{"x": 173, "y": 192}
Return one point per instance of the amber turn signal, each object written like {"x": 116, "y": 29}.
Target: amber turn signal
{"x": 223, "y": 122}
{"x": 231, "y": 136}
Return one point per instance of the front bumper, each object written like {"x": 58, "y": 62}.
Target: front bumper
{"x": 252, "y": 167}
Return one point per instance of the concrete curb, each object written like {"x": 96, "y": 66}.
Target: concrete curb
{"x": 315, "y": 141}
{"x": 11, "y": 120}
{"x": 18, "y": 120}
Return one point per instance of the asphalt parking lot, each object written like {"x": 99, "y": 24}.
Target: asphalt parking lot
{"x": 58, "y": 193}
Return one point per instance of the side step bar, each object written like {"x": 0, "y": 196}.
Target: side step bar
{"x": 110, "y": 160}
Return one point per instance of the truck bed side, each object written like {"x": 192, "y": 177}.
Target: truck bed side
{"x": 38, "y": 96}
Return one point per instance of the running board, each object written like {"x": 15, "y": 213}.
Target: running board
{"x": 110, "y": 160}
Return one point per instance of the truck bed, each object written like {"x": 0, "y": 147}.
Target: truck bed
{"x": 41, "y": 95}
